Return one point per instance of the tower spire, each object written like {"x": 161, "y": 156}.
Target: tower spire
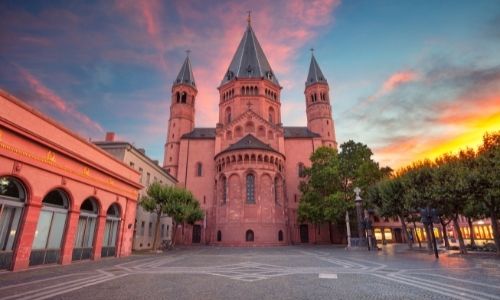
{"x": 315, "y": 75}
{"x": 185, "y": 75}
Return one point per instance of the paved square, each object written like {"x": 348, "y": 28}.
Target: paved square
{"x": 294, "y": 272}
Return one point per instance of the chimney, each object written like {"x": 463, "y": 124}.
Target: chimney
{"x": 110, "y": 136}
{"x": 142, "y": 150}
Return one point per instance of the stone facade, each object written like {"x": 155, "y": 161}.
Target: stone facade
{"x": 61, "y": 198}
{"x": 245, "y": 172}
{"x": 145, "y": 222}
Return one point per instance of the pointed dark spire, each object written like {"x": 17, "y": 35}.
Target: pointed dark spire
{"x": 185, "y": 75}
{"x": 315, "y": 75}
{"x": 249, "y": 61}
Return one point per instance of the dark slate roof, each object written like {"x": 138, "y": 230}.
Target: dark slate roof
{"x": 185, "y": 74}
{"x": 200, "y": 133}
{"x": 249, "y": 61}
{"x": 299, "y": 132}
{"x": 249, "y": 142}
{"x": 315, "y": 75}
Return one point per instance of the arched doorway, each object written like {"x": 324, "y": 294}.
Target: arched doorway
{"x": 12, "y": 199}
{"x": 111, "y": 231}
{"x": 84, "y": 239}
{"x": 249, "y": 237}
{"x": 196, "y": 238}
{"x": 50, "y": 229}
{"x": 304, "y": 233}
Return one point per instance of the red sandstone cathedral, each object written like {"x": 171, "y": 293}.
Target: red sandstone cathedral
{"x": 246, "y": 171}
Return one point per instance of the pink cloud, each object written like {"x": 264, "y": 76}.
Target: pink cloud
{"x": 49, "y": 97}
{"x": 397, "y": 79}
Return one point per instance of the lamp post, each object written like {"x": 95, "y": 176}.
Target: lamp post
{"x": 429, "y": 216}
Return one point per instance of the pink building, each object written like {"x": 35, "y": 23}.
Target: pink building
{"x": 62, "y": 199}
{"x": 245, "y": 172}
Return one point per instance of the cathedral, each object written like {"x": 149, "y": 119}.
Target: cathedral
{"x": 245, "y": 171}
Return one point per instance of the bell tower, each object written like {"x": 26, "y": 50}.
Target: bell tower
{"x": 319, "y": 110}
{"x": 182, "y": 111}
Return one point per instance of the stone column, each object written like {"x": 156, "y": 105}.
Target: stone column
{"x": 359, "y": 213}
{"x": 21, "y": 258}
{"x": 69, "y": 238}
{"x": 99, "y": 236}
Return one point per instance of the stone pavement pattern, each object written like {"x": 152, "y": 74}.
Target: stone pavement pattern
{"x": 293, "y": 272}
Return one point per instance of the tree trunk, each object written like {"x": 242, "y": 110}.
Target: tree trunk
{"x": 157, "y": 231}
{"x": 330, "y": 231}
{"x": 428, "y": 234}
{"x": 445, "y": 234}
{"x": 463, "y": 250}
{"x": 471, "y": 230}
{"x": 494, "y": 226}
{"x": 407, "y": 234}
{"x": 174, "y": 232}
{"x": 416, "y": 235}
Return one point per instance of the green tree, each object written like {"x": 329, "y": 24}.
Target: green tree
{"x": 176, "y": 202}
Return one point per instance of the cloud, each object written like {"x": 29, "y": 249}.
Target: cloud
{"x": 398, "y": 79}
{"x": 46, "y": 96}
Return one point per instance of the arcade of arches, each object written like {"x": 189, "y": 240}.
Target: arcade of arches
{"x": 57, "y": 206}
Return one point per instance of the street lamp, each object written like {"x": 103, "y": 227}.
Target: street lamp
{"x": 430, "y": 216}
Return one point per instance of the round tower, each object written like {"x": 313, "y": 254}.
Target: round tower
{"x": 181, "y": 119}
{"x": 319, "y": 110}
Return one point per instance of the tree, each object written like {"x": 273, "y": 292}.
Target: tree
{"x": 485, "y": 180}
{"x": 321, "y": 199}
{"x": 176, "y": 202}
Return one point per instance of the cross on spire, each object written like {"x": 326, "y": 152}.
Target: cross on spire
{"x": 312, "y": 51}
{"x": 187, "y": 52}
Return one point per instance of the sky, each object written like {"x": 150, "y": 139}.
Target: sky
{"x": 411, "y": 79}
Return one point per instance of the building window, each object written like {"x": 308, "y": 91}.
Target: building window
{"x": 199, "y": 169}
{"x": 150, "y": 229}
{"x": 162, "y": 234}
{"x": 219, "y": 236}
{"x": 271, "y": 115}
{"x": 148, "y": 178}
{"x": 224, "y": 190}
{"x": 228, "y": 115}
{"x": 280, "y": 236}
{"x": 143, "y": 225}
{"x": 250, "y": 188}
{"x": 86, "y": 229}
{"x": 183, "y": 97}
{"x": 132, "y": 164}
{"x": 140, "y": 171}
{"x": 276, "y": 190}
{"x": 302, "y": 172}
{"x": 168, "y": 228}
{"x": 249, "y": 236}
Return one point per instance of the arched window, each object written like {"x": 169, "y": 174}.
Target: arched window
{"x": 228, "y": 115}
{"x": 49, "y": 232}
{"x": 183, "y": 97}
{"x": 86, "y": 229}
{"x": 229, "y": 135}
{"x": 249, "y": 127}
{"x": 249, "y": 236}
{"x": 280, "y": 236}
{"x": 111, "y": 231}
{"x": 250, "y": 188}
{"x": 12, "y": 199}
{"x": 271, "y": 115}
{"x": 219, "y": 236}
{"x": 276, "y": 190}
{"x": 178, "y": 96}
{"x": 301, "y": 170}
{"x": 238, "y": 132}
{"x": 224, "y": 190}
{"x": 199, "y": 169}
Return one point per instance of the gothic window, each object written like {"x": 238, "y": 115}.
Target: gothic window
{"x": 199, "y": 169}
{"x": 183, "y": 97}
{"x": 249, "y": 236}
{"x": 250, "y": 188}
{"x": 301, "y": 170}
{"x": 224, "y": 190}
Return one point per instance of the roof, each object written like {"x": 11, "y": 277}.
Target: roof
{"x": 315, "y": 75}
{"x": 299, "y": 132}
{"x": 200, "y": 133}
{"x": 249, "y": 142}
{"x": 185, "y": 75}
{"x": 249, "y": 61}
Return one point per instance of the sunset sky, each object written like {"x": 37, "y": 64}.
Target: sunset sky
{"x": 411, "y": 79}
